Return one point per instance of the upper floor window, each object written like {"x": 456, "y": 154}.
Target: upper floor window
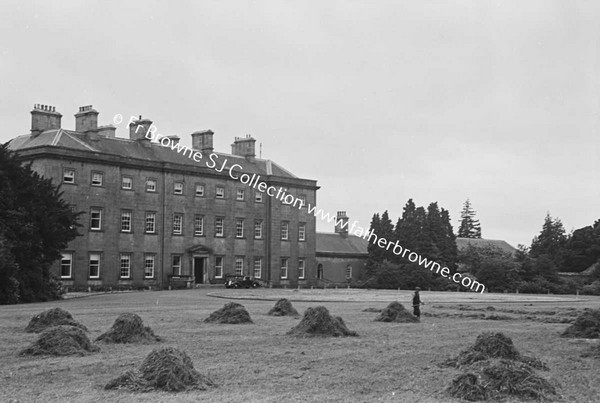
{"x": 302, "y": 231}
{"x": 126, "y": 182}
{"x": 126, "y": 220}
{"x": 97, "y": 178}
{"x": 151, "y": 185}
{"x": 95, "y": 219}
{"x": 302, "y": 199}
{"x": 219, "y": 230}
{"x": 150, "y": 222}
{"x": 68, "y": 175}
{"x": 258, "y": 227}
{"x": 178, "y": 188}
{"x": 239, "y": 228}
{"x": 240, "y": 194}
{"x": 198, "y": 225}
{"x": 285, "y": 230}
{"x": 177, "y": 223}
{"x": 258, "y": 197}
{"x": 199, "y": 190}
{"x": 220, "y": 192}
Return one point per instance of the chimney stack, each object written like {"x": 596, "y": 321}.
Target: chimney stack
{"x": 138, "y": 130}
{"x": 44, "y": 117}
{"x": 244, "y": 147}
{"x": 341, "y": 226}
{"x": 107, "y": 131}
{"x": 86, "y": 119}
{"x": 203, "y": 141}
{"x": 174, "y": 139}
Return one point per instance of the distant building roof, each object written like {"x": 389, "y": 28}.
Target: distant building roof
{"x": 337, "y": 244}
{"x": 591, "y": 270}
{"x": 463, "y": 243}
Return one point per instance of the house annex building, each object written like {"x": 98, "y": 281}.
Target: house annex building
{"x": 151, "y": 216}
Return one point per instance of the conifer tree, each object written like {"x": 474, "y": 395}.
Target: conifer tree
{"x": 469, "y": 226}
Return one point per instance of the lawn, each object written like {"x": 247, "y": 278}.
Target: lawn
{"x": 258, "y": 362}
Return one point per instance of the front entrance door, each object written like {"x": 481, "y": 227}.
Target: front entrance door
{"x": 200, "y": 272}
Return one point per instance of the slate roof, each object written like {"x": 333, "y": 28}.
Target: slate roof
{"x": 333, "y": 243}
{"x": 462, "y": 243}
{"x": 132, "y": 149}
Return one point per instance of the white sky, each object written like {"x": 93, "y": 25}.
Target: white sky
{"x": 498, "y": 101}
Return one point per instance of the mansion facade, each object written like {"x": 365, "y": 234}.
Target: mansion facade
{"x": 152, "y": 217}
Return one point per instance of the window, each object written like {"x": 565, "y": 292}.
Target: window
{"x": 239, "y": 266}
{"x": 301, "y": 269}
{"x": 240, "y": 194}
{"x": 126, "y": 182}
{"x": 239, "y": 227}
{"x": 302, "y": 231}
{"x": 220, "y": 192}
{"x": 151, "y": 185}
{"x": 66, "y": 265}
{"x": 68, "y": 175}
{"x": 198, "y": 225}
{"x": 95, "y": 219}
{"x": 302, "y": 199}
{"x": 125, "y": 265}
{"x": 125, "y": 220}
{"x": 284, "y": 268}
{"x": 178, "y": 188}
{"x": 320, "y": 271}
{"x": 258, "y": 225}
{"x": 257, "y": 267}
{"x": 199, "y": 190}
{"x": 97, "y": 178}
{"x": 176, "y": 265}
{"x": 219, "y": 226}
{"x": 348, "y": 272}
{"x": 150, "y": 222}
{"x": 218, "y": 266}
{"x": 284, "y": 230}
{"x": 258, "y": 197}
{"x": 148, "y": 266}
{"x": 94, "y": 265}
{"x": 177, "y": 223}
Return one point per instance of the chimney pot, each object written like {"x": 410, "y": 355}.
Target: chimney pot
{"x": 44, "y": 118}
{"x": 86, "y": 119}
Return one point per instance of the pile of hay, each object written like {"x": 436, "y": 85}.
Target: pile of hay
{"x": 395, "y": 312}
{"x": 52, "y": 317}
{"x": 283, "y": 307}
{"x": 586, "y": 326}
{"x": 128, "y": 328}
{"x": 231, "y": 313}
{"x": 166, "y": 369}
{"x": 60, "y": 341}
{"x": 318, "y": 322}
{"x": 498, "y": 379}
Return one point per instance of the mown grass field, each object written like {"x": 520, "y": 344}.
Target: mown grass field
{"x": 258, "y": 362}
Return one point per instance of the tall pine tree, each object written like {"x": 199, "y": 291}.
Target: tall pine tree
{"x": 469, "y": 226}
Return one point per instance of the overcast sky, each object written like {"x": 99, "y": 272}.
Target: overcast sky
{"x": 496, "y": 101}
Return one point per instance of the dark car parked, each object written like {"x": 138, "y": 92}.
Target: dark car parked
{"x": 235, "y": 281}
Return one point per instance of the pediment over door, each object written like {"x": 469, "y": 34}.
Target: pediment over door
{"x": 199, "y": 250}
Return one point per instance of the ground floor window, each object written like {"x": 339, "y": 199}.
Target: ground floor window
{"x": 176, "y": 265}
{"x": 301, "y": 268}
{"x": 149, "y": 266}
{"x": 348, "y": 272}
{"x": 257, "y": 267}
{"x": 125, "y": 265}
{"x": 94, "y": 265}
{"x": 218, "y": 266}
{"x": 66, "y": 265}
{"x": 239, "y": 266}
{"x": 284, "y": 268}
{"x": 320, "y": 271}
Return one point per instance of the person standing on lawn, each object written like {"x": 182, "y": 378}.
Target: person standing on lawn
{"x": 416, "y": 303}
